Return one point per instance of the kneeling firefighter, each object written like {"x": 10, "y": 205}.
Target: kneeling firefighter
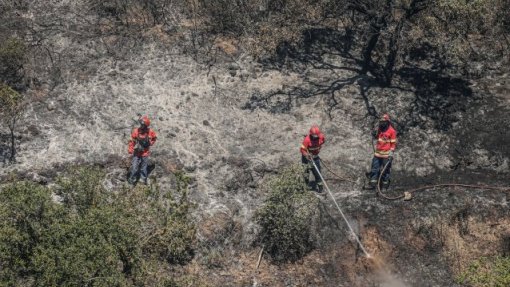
{"x": 310, "y": 151}
{"x": 386, "y": 137}
{"x": 142, "y": 138}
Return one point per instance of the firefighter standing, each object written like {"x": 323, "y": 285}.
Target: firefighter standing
{"x": 310, "y": 151}
{"x": 142, "y": 139}
{"x": 386, "y": 137}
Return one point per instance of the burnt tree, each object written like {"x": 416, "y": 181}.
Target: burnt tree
{"x": 384, "y": 23}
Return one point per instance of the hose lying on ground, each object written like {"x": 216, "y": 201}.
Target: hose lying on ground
{"x": 336, "y": 175}
{"x": 407, "y": 194}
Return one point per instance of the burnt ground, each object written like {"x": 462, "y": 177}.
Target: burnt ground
{"x": 234, "y": 121}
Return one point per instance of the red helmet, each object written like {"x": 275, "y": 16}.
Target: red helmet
{"x": 145, "y": 121}
{"x": 314, "y": 131}
{"x": 385, "y": 118}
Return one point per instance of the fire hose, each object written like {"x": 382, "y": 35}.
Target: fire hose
{"x": 408, "y": 194}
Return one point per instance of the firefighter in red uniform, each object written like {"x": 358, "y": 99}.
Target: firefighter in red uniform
{"x": 310, "y": 151}
{"x": 142, "y": 139}
{"x": 386, "y": 137}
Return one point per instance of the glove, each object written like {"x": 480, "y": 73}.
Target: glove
{"x": 390, "y": 155}
{"x": 374, "y": 134}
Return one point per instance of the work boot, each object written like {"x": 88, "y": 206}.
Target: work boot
{"x": 320, "y": 188}
{"x": 145, "y": 181}
{"x": 372, "y": 183}
{"x": 386, "y": 184}
{"x": 131, "y": 181}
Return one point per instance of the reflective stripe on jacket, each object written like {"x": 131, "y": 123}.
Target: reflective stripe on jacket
{"x": 139, "y": 135}
{"x": 312, "y": 146}
{"x": 386, "y": 142}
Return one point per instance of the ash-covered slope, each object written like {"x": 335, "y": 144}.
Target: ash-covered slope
{"x": 232, "y": 123}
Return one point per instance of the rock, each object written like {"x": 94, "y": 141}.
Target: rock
{"x": 51, "y": 106}
{"x": 161, "y": 119}
{"x": 173, "y": 165}
{"x": 233, "y": 67}
{"x": 33, "y": 130}
{"x": 35, "y": 177}
{"x": 190, "y": 168}
{"x": 206, "y": 123}
{"x": 237, "y": 161}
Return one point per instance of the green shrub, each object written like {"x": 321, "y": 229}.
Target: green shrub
{"x": 487, "y": 271}
{"x": 12, "y": 58}
{"x": 81, "y": 188}
{"x": 163, "y": 222}
{"x": 98, "y": 249}
{"x": 9, "y": 99}
{"x": 184, "y": 281}
{"x": 26, "y": 213}
{"x": 11, "y": 109}
{"x": 94, "y": 236}
{"x": 287, "y": 217}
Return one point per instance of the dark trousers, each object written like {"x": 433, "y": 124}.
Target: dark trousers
{"x": 308, "y": 166}
{"x": 377, "y": 165}
{"x": 139, "y": 165}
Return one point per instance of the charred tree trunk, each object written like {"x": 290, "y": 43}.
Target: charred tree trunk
{"x": 375, "y": 32}
{"x": 12, "y": 157}
{"x": 378, "y": 17}
{"x": 415, "y": 7}
{"x": 394, "y": 46}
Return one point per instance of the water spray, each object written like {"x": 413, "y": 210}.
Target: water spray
{"x": 341, "y": 212}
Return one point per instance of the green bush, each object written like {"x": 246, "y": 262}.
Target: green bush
{"x": 9, "y": 99}
{"x": 26, "y": 213}
{"x": 287, "y": 217}
{"x": 487, "y": 272}
{"x": 93, "y": 236}
{"x": 12, "y": 58}
{"x": 97, "y": 249}
{"x": 163, "y": 222}
{"x": 11, "y": 109}
{"x": 81, "y": 188}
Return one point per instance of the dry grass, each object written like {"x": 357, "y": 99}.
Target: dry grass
{"x": 484, "y": 239}
{"x": 229, "y": 46}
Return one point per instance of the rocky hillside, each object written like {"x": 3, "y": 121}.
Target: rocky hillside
{"x": 230, "y": 121}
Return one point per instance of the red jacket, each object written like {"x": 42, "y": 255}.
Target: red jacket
{"x": 386, "y": 142}
{"x": 312, "y": 146}
{"x": 146, "y": 139}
